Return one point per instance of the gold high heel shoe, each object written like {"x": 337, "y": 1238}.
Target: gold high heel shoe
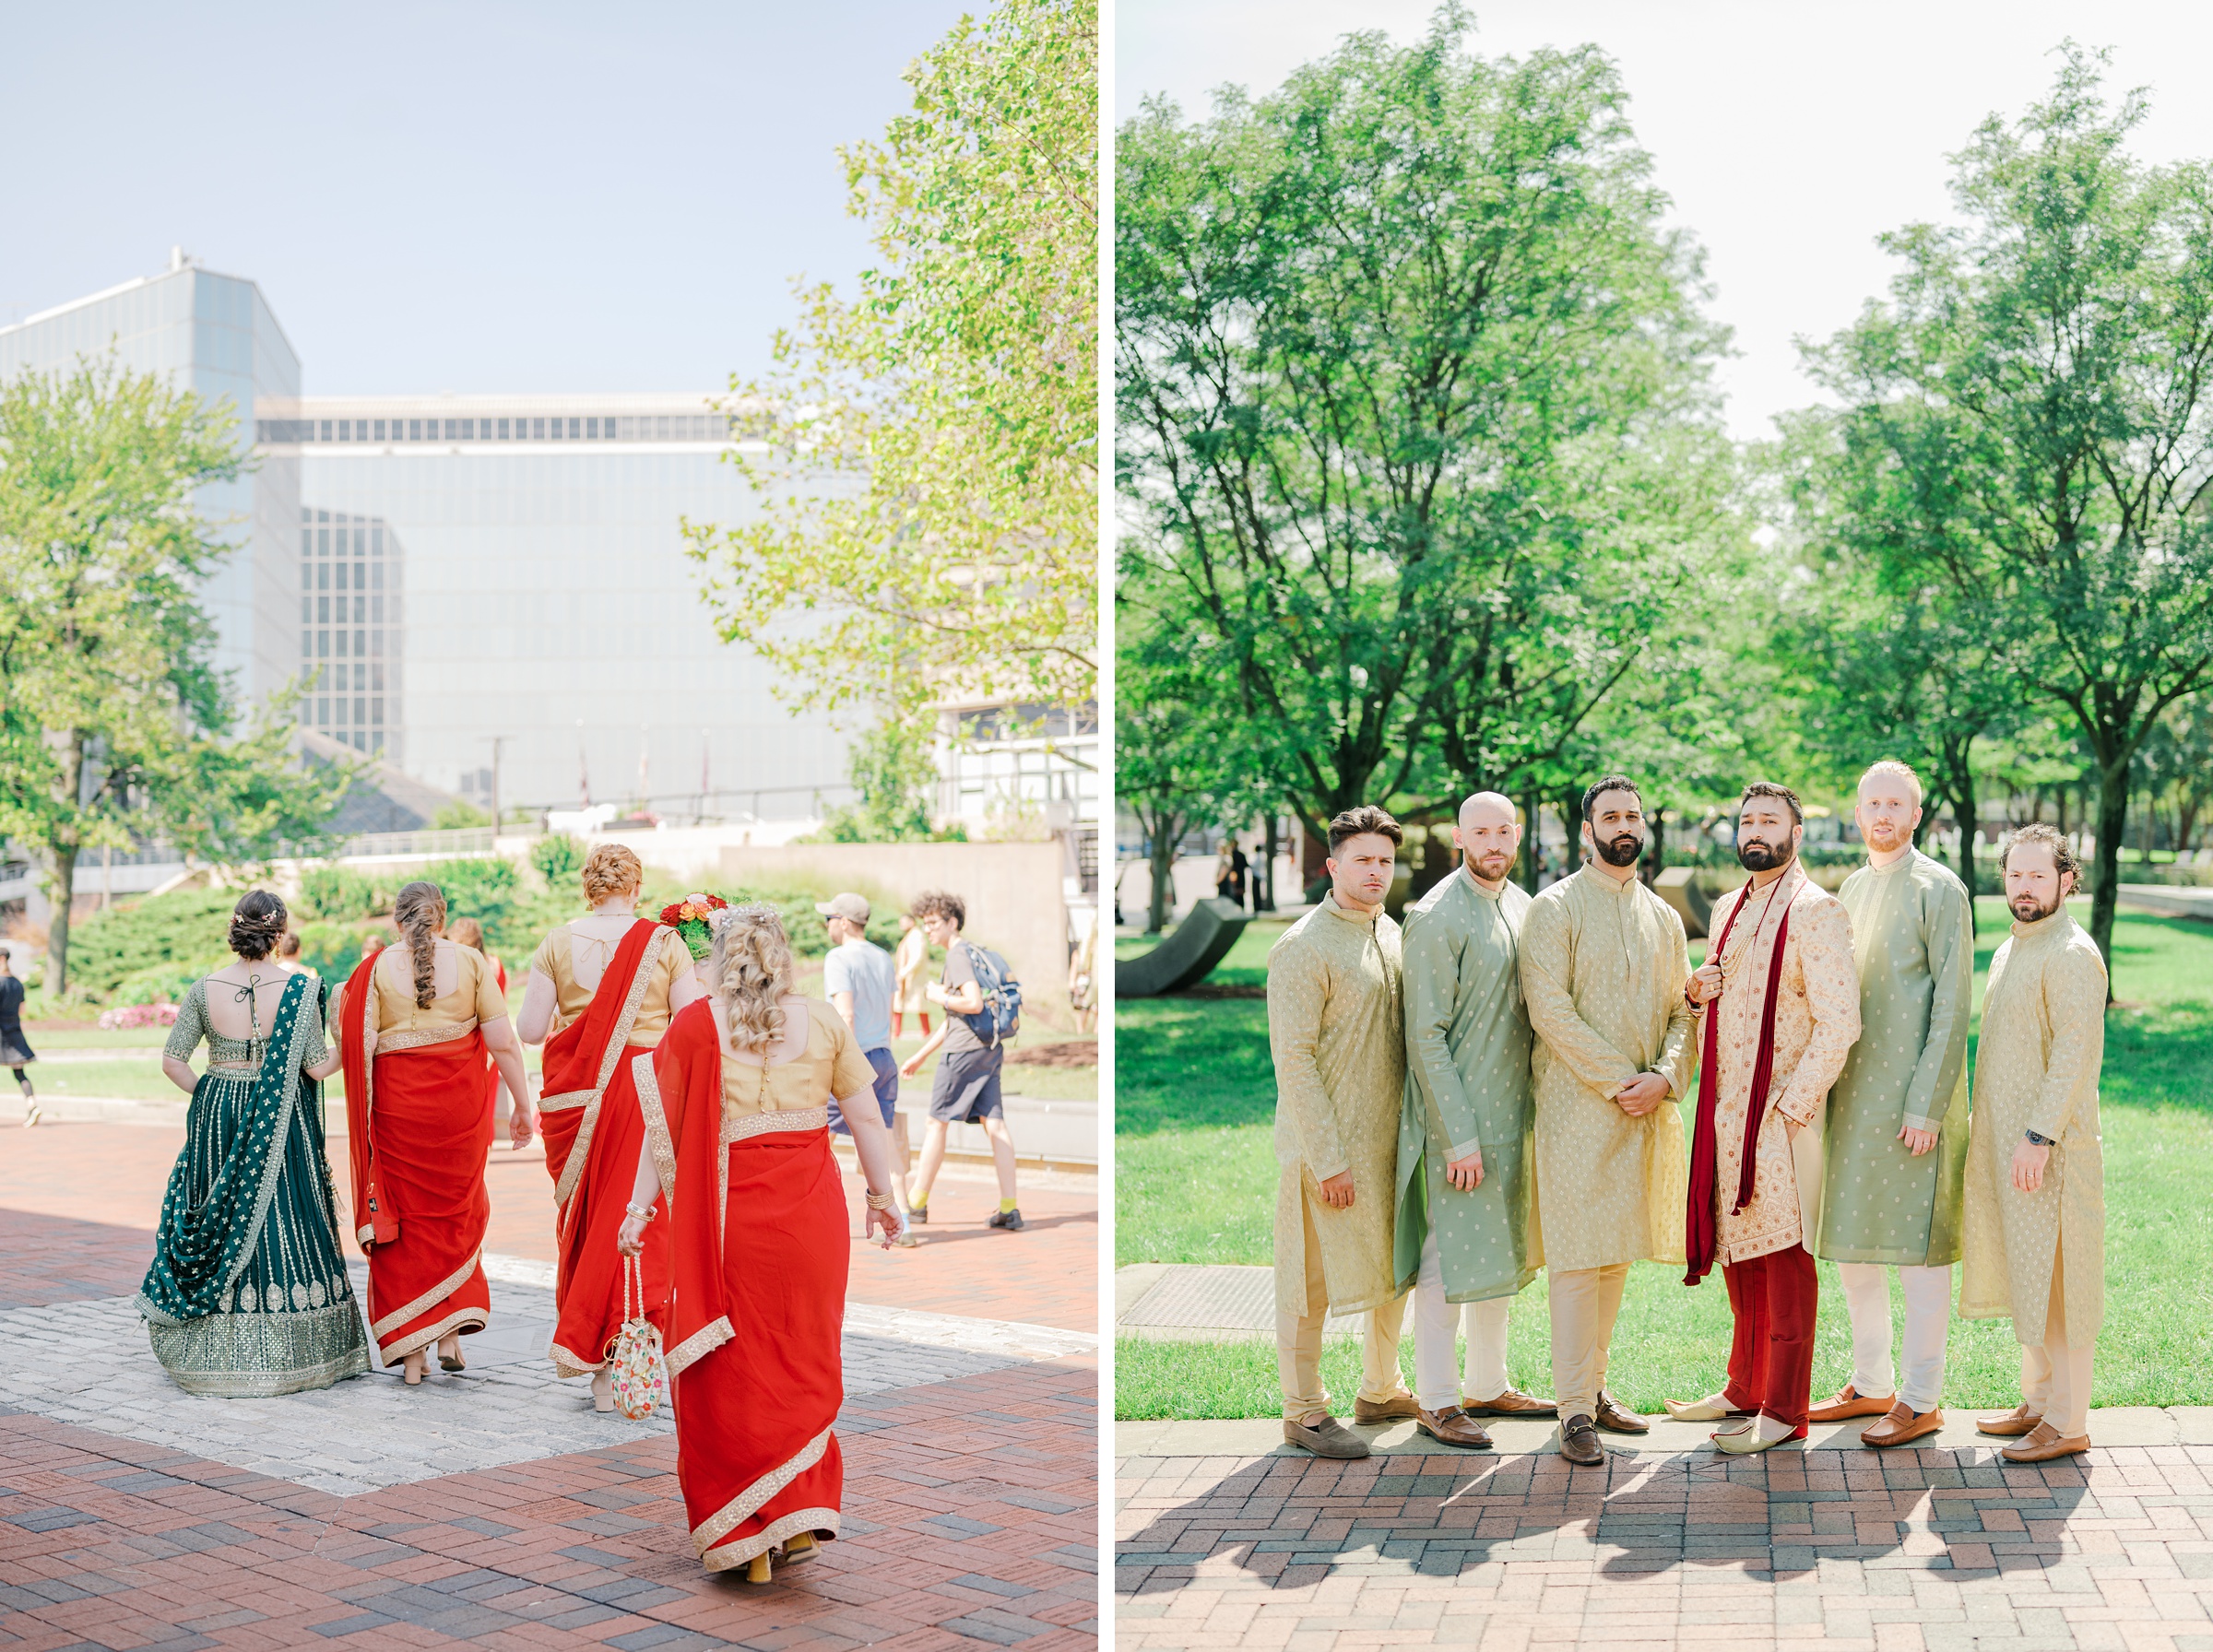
{"x": 757, "y": 1569}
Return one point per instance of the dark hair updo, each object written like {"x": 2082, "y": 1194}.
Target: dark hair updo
{"x": 258, "y": 923}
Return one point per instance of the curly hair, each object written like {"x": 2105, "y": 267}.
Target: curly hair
{"x": 750, "y": 965}
{"x": 418, "y": 913}
{"x": 2062, "y": 853}
{"x": 611, "y": 869}
{"x": 937, "y": 904}
{"x": 258, "y": 923}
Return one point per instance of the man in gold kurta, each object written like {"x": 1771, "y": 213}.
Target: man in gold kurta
{"x": 2035, "y": 1238}
{"x": 1780, "y": 1010}
{"x": 1464, "y": 1212}
{"x": 1603, "y": 966}
{"x": 1894, "y": 1144}
{"x": 1335, "y": 1031}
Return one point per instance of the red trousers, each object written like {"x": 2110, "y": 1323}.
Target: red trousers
{"x": 1771, "y": 1357}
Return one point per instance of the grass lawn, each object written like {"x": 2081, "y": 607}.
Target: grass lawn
{"x": 1194, "y": 1107}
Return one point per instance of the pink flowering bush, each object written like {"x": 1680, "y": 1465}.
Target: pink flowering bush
{"x": 124, "y": 1016}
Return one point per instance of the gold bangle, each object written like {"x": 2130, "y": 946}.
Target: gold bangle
{"x": 643, "y": 1213}
{"x": 880, "y": 1201}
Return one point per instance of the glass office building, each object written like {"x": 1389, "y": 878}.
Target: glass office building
{"x": 552, "y": 642}
{"x": 215, "y": 335}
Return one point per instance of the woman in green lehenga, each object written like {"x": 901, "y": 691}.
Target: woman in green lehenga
{"x": 248, "y": 1294}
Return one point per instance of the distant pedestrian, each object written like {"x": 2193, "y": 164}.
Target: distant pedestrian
{"x": 1226, "y": 873}
{"x": 912, "y": 962}
{"x": 1082, "y": 977}
{"x": 15, "y": 1049}
{"x": 1240, "y": 872}
{"x": 288, "y": 956}
{"x": 859, "y": 978}
{"x": 965, "y": 1088}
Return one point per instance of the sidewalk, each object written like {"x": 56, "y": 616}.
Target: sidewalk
{"x": 496, "y": 1508}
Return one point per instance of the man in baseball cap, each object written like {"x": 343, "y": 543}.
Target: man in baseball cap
{"x": 859, "y": 978}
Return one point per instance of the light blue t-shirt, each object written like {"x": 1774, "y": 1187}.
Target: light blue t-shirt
{"x": 865, "y": 970}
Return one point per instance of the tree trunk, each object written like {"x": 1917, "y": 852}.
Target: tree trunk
{"x": 2113, "y": 823}
{"x": 1164, "y": 839}
{"x": 57, "y": 927}
{"x": 1263, "y": 886}
{"x": 1655, "y": 849}
{"x": 1532, "y": 841}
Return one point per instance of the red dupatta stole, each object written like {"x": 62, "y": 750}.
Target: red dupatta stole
{"x": 374, "y": 1220}
{"x": 760, "y": 1253}
{"x": 589, "y": 1115}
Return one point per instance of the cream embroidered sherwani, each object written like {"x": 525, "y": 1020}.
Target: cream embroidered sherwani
{"x": 1468, "y": 1086}
{"x": 1816, "y": 1023}
{"x": 2036, "y": 1068}
{"x": 1913, "y": 943}
{"x": 1603, "y": 967}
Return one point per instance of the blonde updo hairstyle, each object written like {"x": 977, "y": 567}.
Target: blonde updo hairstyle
{"x": 418, "y": 913}
{"x": 750, "y": 965}
{"x": 611, "y": 869}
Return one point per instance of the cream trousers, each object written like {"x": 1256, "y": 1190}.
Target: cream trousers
{"x": 1436, "y": 1322}
{"x": 2055, "y": 1378}
{"x": 1584, "y": 1302}
{"x": 1298, "y": 1344}
{"x": 1928, "y": 1293}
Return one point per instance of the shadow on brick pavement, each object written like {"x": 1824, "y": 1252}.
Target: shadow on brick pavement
{"x": 1912, "y": 1549}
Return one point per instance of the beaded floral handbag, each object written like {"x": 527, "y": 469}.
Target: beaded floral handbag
{"x": 639, "y": 1373}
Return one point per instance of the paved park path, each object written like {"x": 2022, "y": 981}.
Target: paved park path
{"x": 1224, "y": 1540}
{"x": 496, "y": 1508}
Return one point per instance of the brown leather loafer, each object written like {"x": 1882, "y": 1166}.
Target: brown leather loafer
{"x": 1615, "y": 1421}
{"x": 1513, "y": 1403}
{"x": 1326, "y": 1438}
{"x": 1399, "y": 1407}
{"x": 2018, "y": 1421}
{"x": 2043, "y": 1444}
{"x": 1902, "y": 1425}
{"x": 1578, "y": 1443}
{"x": 1453, "y": 1427}
{"x": 1849, "y": 1403}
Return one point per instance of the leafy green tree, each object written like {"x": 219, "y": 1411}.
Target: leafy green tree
{"x": 1412, "y": 404}
{"x": 2043, "y": 373}
{"x": 927, "y": 452}
{"x": 558, "y": 858}
{"x": 895, "y": 772}
{"x": 113, "y": 718}
{"x": 458, "y": 816}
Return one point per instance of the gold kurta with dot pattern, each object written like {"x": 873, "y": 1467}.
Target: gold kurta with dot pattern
{"x": 1603, "y": 967}
{"x": 2036, "y": 1068}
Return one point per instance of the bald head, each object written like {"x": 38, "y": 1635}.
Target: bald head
{"x": 1488, "y": 837}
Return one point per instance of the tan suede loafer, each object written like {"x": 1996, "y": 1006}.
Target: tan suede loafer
{"x": 2018, "y": 1421}
{"x": 1849, "y": 1403}
{"x": 1615, "y": 1421}
{"x": 1513, "y": 1403}
{"x": 2043, "y": 1444}
{"x": 1326, "y": 1438}
{"x": 1902, "y": 1425}
{"x": 1453, "y": 1426}
{"x": 1399, "y": 1407}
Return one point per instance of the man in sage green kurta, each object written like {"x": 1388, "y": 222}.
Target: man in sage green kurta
{"x": 1603, "y": 967}
{"x": 1335, "y": 1029}
{"x": 1463, "y": 1234}
{"x": 1895, "y": 1147}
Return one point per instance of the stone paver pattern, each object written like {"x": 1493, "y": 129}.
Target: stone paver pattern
{"x": 1845, "y": 1549}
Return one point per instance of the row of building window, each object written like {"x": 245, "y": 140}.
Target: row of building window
{"x": 317, "y": 646}
{"x": 640, "y": 427}
{"x": 361, "y": 740}
{"x": 367, "y": 611}
{"x": 364, "y": 677}
{"x": 365, "y": 576}
{"x": 330, "y": 709}
{"x": 315, "y": 542}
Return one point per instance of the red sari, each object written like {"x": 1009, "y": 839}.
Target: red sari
{"x": 418, "y": 1139}
{"x": 589, "y": 1113}
{"x": 761, "y": 1254}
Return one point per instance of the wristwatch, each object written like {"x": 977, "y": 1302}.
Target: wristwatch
{"x": 2036, "y": 1140}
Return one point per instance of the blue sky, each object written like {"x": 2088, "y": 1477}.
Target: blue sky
{"x": 479, "y": 198}
{"x": 1789, "y": 136}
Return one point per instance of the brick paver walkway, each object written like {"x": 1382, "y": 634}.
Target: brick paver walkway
{"x": 127, "y": 1521}
{"x": 1836, "y": 1548}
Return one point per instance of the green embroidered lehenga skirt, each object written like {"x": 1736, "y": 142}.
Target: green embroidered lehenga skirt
{"x": 248, "y": 1294}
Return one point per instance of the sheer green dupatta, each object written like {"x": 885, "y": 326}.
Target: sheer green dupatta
{"x": 200, "y": 1250}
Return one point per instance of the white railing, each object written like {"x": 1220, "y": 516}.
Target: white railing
{"x": 468, "y": 840}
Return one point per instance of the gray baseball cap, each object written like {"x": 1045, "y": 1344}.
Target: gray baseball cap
{"x": 848, "y": 906}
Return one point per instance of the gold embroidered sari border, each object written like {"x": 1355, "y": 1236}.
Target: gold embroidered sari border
{"x": 656, "y": 1120}
{"x": 422, "y": 1038}
{"x": 781, "y": 1530}
{"x": 435, "y": 1293}
{"x": 746, "y": 1126}
{"x": 755, "y": 1497}
{"x": 698, "y": 1345}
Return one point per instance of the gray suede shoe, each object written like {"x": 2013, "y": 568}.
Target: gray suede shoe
{"x": 1326, "y": 1438}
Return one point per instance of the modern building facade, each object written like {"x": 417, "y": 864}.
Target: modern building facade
{"x": 217, "y": 336}
{"x": 546, "y": 642}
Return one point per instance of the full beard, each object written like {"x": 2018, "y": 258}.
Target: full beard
{"x": 1757, "y": 856}
{"x": 1491, "y": 868}
{"x": 2028, "y": 909}
{"x": 1621, "y": 851}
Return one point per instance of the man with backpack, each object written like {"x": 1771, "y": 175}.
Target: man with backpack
{"x": 983, "y": 1009}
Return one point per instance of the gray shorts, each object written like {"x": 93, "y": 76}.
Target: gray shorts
{"x": 966, "y": 1086}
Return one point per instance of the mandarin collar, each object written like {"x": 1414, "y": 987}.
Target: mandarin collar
{"x": 1365, "y": 919}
